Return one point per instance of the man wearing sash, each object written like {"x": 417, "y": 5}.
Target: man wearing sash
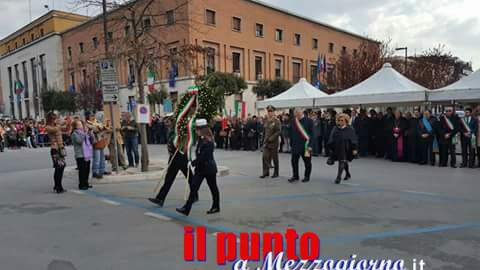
{"x": 447, "y": 131}
{"x": 300, "y": 132}
{"x": 426, "y": 133}
{"x": 468, "y": 128}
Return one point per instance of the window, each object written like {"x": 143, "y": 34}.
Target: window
{"x": 170, "y": 17}
{"x": 36, "y": 105}
{"x": 278, "y": 69}
{"x": 297, "y": 72}
{"x": 344, "y": 49}
{"x": 32, "y": 37}
{"x": 210, "y": 17}
{"x": 331, "y": 75}
{"x": 82, "y": 49}
{"x": 279, "y": 35}
{"x": 12, "y": 93}
{"x": 72, "y": 80}
{"x": 26, "y": 89}
{"x": 315, "y": 43}
{"x": 24, "y": 41}
{"x": 259, "y": 30}
{"x": 84, "y": 75}
{"x": 131, "y": 72}
{"x": 313, "y": 74}
{"x": 42, "y": 32}
{"x": 236, "y": 24}
{"x": 331, "y": 47}
{"x": 16, "y": 45}
{"x": 355, "y": 52}
{"x": 43, "y": 72}
{"x": 69, "y": 53}
{"x": 210, "y": 60}
{"x": 147, "y": 24}
{"x": 297, "y": 40}
{"x": 236, "y": 62}
{"x": 95, "y": 42}
{"x": 110, "y": 36}
{"x": 258, "y": 68}
{"x": 126, "y": 31}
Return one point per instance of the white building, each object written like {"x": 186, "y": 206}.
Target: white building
{"x": 36, "y": 66}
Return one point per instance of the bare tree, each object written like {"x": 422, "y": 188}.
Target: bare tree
{"x": 355, "y": 67}
{"x": 140, "y": 41}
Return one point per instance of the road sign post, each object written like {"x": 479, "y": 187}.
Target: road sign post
{"x": 110, "y": 92}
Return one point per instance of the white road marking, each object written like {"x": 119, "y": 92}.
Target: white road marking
{"x": 350, "y": 184}
{"x": 157, "y": 216}
{"x": 107, "y": 201}
{"x": 79, "y": 192}
{"x": 419, "y": 192}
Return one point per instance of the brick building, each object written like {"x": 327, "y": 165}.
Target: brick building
{"x": 246, "y": 37}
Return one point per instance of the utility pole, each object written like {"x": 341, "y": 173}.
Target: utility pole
{"x": 110, "y": 104}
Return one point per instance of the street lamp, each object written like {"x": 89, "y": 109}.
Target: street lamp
{"x": 406, "y": 56}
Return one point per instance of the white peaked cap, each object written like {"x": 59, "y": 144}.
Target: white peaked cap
{"x": 201, "y": 123}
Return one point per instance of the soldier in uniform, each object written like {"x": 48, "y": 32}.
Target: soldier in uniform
{"x": 273, "y": 129}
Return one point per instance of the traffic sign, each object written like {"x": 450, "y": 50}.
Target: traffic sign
{"x": 108, "y": 76}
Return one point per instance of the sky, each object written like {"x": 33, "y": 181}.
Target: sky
{"x": 417, "y": 24}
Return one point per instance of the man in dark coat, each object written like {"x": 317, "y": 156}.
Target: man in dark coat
{"x": 426, "y": 137}
{"x": 447, "y": 130}
{"x": 468, "y": 129}
{"x": 329, "y": 124}
{"x": 300, "y": 140}
{"x": 361, "y": 125}
{"x": 412, "y": 142}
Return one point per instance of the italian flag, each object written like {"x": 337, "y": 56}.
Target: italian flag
{"x": 18, "y": 87}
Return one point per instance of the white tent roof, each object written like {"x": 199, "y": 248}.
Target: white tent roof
{"x": 387, "y": 86}
{"x": 301, "y": 94}
{"x": 466, "y": 89}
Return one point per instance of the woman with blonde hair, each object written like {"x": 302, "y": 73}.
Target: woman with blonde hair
{"x": 57, "y": 150}
{"x": 343, "y": 144}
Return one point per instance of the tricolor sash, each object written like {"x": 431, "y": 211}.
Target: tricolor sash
{"x": 448, "y": 123}
{"x": 303, "y": 133}
{"x": 465, "y": 126}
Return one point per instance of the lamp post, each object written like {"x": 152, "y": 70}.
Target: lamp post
{"x": 406, "y": 56}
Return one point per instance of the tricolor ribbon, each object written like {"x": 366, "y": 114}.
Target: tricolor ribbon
{"x": 181, "y": 115}
{"x": 448, "y": 122}
{"x": 303, "y": 133}
{"x": 190, "y": 137}
{"x": 466, "y": 128}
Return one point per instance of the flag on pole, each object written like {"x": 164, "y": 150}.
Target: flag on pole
{"x": 18, "y": 87}
{"x": 173, "y": 75}
{"x": 324, "y": 63}
{"x": 319, "y": 67}
{"x": 151, "y": 80}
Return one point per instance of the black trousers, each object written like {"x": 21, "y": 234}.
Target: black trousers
{"x": 426, "y": 154}
{"x": 306, "y": 160}
{"x": 468, "y": 152}
{"x": 83, "y": 172}
{"x": 447, "y": 149}
{"x": 179, "y": 163}
{"x": 57, "y": 178}
{"x": 212, "y": 185}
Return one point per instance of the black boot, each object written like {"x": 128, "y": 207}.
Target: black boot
{"x": 156, "y": 201}
{"x": 341, "y": 167}
{"x": 185, "y": 210}
{"x": 213, "y": 210}
{"x": 347, "y": 171}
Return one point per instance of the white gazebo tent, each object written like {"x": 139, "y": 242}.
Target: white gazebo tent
{"x": 466, "y": 89}
{"x": 385, "y": 87}
{"x": 301, "y": 95}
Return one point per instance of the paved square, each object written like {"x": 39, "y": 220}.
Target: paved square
{"x": 388, "y": 210}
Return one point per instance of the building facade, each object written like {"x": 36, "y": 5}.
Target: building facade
{"x": 245, "y": 37}
{"x": 31, "y": 61}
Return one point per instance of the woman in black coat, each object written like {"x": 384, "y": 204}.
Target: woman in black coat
{"x": 343, "y": 144}
{"x": 205, "y": 168}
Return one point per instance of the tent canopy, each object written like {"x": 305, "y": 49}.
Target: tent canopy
{"x": 466, "y": 89}
{"x": 387, "y": 86}
{"x": 301, "y": 94}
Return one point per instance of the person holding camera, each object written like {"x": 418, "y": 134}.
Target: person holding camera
{"x": 343, "y": 144}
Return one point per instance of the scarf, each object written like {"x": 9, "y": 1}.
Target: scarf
{"x": 427, "y": 124}
{"x": 303, "y": 133}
